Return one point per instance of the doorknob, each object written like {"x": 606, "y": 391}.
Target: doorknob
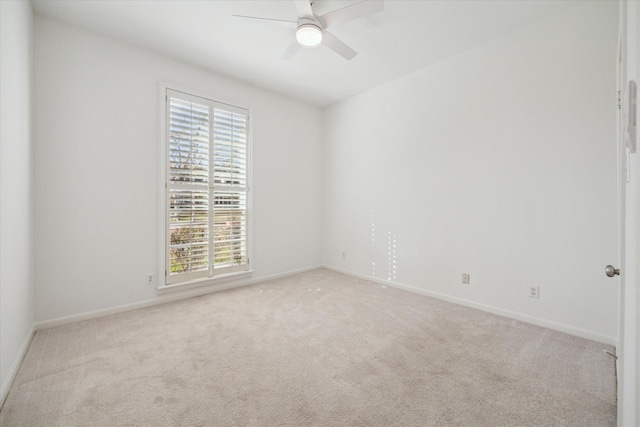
{"x": 611, "y": 271}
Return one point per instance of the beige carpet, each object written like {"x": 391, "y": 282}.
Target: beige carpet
{"x": 319, "y": 348}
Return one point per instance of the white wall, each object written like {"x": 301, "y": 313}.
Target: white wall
{"x": 499, "y": 162}
{"x": 16, "y": 245}
{"x": 97, "y": 151}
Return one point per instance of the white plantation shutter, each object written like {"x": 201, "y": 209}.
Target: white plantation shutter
{"x": 230, "y": 187}
{"x": 188, "y": 188}
{"x": 206, "y": 189}
{"x": 230, "y": 145}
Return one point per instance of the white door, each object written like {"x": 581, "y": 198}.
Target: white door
{"x": 622, "y": 166}
{"x": 628, "y": 383}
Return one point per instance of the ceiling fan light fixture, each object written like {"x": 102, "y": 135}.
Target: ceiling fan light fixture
{"x": 309, "y": 35}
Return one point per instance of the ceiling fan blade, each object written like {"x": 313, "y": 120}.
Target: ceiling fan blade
{"x": 304, "y": 8}
{"x": 291, "y": 50}
{"x": 336, "y": 45}
{"x": 358, "y": 10}
{"x": 266, "y": 19}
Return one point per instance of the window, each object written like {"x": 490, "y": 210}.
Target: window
{"x": 206, "y": 188}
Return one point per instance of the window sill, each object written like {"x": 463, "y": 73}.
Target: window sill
{"x": 209, "y": 281}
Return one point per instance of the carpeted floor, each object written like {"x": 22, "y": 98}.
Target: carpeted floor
{"x": 318, "y": 348}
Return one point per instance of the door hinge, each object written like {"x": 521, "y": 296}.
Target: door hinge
{"x": 619, "y": 100}
{"x": 165, "y": 273}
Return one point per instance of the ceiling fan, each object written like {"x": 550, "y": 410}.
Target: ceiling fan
{"x": 311, "y": 29}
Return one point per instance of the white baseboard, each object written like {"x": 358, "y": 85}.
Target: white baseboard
{"x": 164, "y": 298}
{"x": 572, "y": 330}
{"x": 179, "y": 295}
{"x": 6, "y": 385}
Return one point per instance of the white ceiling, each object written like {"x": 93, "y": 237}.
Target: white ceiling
{"x": 406, "y": 36}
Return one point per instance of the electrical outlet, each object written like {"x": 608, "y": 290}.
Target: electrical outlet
{"x": 465, "y": 278}
{"x": 534, "y": 291}
{"x": 149, "y": 278}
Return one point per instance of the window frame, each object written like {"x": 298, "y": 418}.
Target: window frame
{"x": 164, "y": 258}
